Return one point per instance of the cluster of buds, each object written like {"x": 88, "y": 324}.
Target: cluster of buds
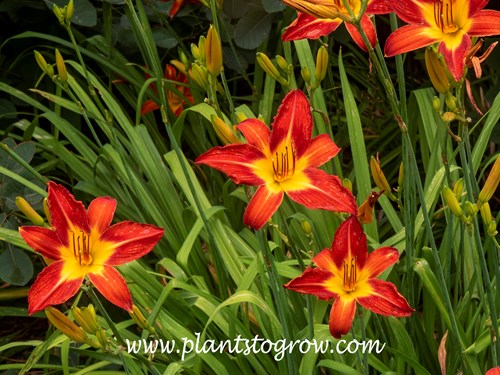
{"x": 285, "y": 69}
{"x": 208, "y": 60}
{"x": 89, "y": 332}
{"x": 452, "y": 198}
{"x": 65, "y": 14}
{"x": 319, "y": 71}
{"x": 62, "y": 72}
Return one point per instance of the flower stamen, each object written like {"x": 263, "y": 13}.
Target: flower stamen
{"x": 284, "y": 163}
{"x": 443, "y": 16}
{"x": 81, "y": 248}
{"x": 350, "y": 275}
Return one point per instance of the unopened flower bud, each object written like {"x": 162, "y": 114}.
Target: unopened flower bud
{"x": 436, "y": 71}
{"x": 401, "y": 176}
{"x": 240, "y": 116}
{"x": 140, "y": 319}
{"x": 470, "y": 208}
{"x": 267, "y": 65}
{"x": 452, "y": 202}
{"x": 180, "y": 66}
{"x": 198, "y": 74}
{"x": 451, "y": 102}
{"x": 306, "y": 226}
{"x": 213, "y": 52}
{"x": 65, "y": 325}
{"x": 62, "y": 73}
{"x": 347, "y": 183}
{"x": 379, "y": 178}
{"x": 195, "y": 51}
{"x": 102, "y": 337}
{"x": 458, "y": 188}
{"x": 46, "y": 210}
{"x": 492, "y": 229}
{"x": 491, "y": 183}
{"x": 321, "y": 65}
{"x": 486, "y": 213}
{"x": 42, "y": 63}
{"x": 30, "y": 213}
{"x": 282, "y": 63}
{"x": 86, "y": 318}
{"x": 448, "y": 117}
{"x": 59, "y": 13}
{"x": 306, "y": 74}
{"x": 202, "y": 48}
{"x": 224, "y": 131}
{"x": 70, "y": 10}
{"x": 436, "y": 104}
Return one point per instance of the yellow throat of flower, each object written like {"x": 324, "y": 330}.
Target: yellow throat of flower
{"x": 350, "y": 274}
{"x": 284, "y": 162}
{"x": 443, "y": 15}
{"x": 80, "y": 243}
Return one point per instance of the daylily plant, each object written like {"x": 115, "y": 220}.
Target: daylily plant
{"x": 347, "y": 273}
{"x": 451, "y": 23}
{"x": 81, "y": 243}
{"x": 284, "y": 160}
{"x": 175, "y": 102}
{"x": 319, "y": 18}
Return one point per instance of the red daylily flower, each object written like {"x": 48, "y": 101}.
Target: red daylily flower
{"x": 284, "y": 160}
{"x": 317, "y": 18}
{"x": 82, "y": 243}
{"x": 175, "y": 102}
{"x": 451, "y": 23}
{"x": 347, "y": 273}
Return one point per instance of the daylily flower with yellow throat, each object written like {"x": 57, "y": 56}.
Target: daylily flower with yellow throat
{"x": 319, "y": 18}
{"x": 347, "y": 273}
{"x": 284, "y": 160}
{"x": 82, "y": 243}
{"x": 451, "y": 23}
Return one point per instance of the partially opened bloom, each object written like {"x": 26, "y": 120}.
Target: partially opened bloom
{"x": 451, "y": 23}
{"x": 284, "y": 160}
{"x": 82, "y": 243}
{"x": 175, "y": 102}
{"x": 347, "y": 273}
{"x": 319, "y": 18}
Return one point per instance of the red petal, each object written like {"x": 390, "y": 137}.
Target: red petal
{"x": 409, "y": 10}
{"x": 455, "y": 58}
{"x": 100, "y": 213}
{"x": 130, "y": 241}
{"x": 175, "y": 7}
{"x": 262, "y": 206}
{"x": 312, "y": 281}
{"x": 256, "y": 133}
{"x": 493, "y": 371}
{"x": 67, "y": 214}
{"x": 385, "y": 300}
{"x": 50, "y": 289}
{"x": 324, "y": 260}
{"x": 293, "y": 123}
{"x": 341, "y": 316}
{"x": 149, "y": 106}
{"x": 350, "y": 243}
{"x": 323, "y": 191}
{"x": 475, "y": 6}
{"x": 309, "y": 27}
{"x": 379, "y": 7}
{"x": 407, "y": 38}
{"x": 485, "y": 23}
{"x": 367, "y": 25}
{"x": 113, "y": 287}
{"x": 235, "y": 160}
{"x": 321, "y": 150}
{"x": 43, "y": 240}
{"x": 378, "y": 261}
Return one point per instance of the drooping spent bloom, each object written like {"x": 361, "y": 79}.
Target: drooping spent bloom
{"x": 284, "y": 160}
{"x": 317, "y": 18}
{"x": 347, "y": 274}
{"x": 81, "y": 243}
{"x": 451, "y": 23}
{"x": 175, "y": 102}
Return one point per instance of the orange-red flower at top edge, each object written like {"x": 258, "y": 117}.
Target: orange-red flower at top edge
{"x": 82, "y": 243}
{"x": 175, "y": 102}
{"x": 317, "y": 18}
{"x": 493, "y": 371}
{"x": 451, "y": 23}
{"x": 177, "y": 5}
{"x": 284, "y": 160}
{"x": 347, "y": 273}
